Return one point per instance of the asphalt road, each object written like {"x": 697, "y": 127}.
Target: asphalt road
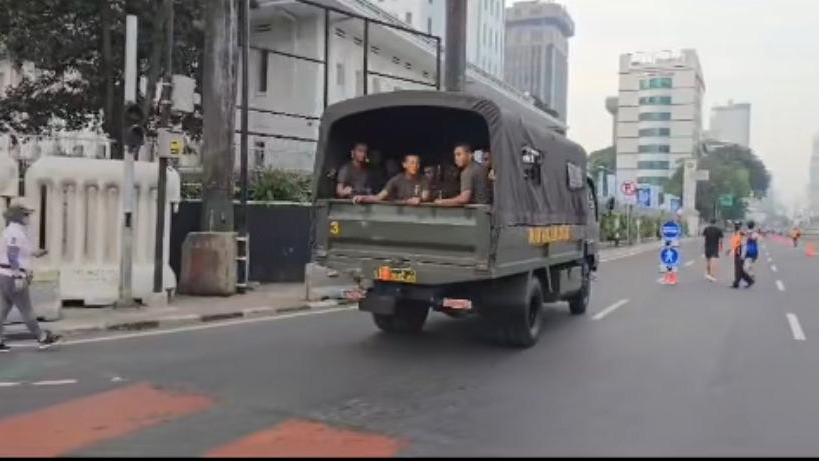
{"x": 693, "y": 369}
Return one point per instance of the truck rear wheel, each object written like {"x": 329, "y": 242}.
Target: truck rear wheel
{"x": 407, "y": 319}
{"x": 579, "y": 302}
{"x": 522, "y": 328}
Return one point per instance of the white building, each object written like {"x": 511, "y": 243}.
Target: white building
{"x": 484, "y": 27}
{"x": 537, "y": 51}
{"x": 731, "y": 123}
{"x": 813, "y": 180}
{"x": 286, "y": 85}
{"x": 659, "y": 114}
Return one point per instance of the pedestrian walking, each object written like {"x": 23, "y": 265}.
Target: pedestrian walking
{"x": 16, "y": 252}
{"x": 795, "y": 234}
{"x": 712, "y": 236}
{"x": 738, "y": 251}
{"x": 751, "y": 248}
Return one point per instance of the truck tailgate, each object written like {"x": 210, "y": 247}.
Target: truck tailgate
{"x": 424, "y": 234}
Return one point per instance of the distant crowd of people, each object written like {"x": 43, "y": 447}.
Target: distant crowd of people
{"x": 364, "y": 180}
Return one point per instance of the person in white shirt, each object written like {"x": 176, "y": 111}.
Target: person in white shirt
{"x": 16, "y": 252}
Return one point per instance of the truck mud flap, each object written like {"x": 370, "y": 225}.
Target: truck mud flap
{"x": 378, "y": 304}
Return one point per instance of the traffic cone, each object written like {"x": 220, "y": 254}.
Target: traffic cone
{"x": 810, "y": 250}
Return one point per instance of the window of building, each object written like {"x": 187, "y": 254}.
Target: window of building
{"x": 263, "y": 69}
{"x": 657, "y": 82}
{"x": 655, "y": 101}
{"x": 657, "y": 132}
{"x": 258, "y": 154}
{"x": 376, "y": 85}
{"x": 408, "y": 18}
{"x": 653, "y": 165}
{"x": 429, "y": 25}
{"x": 359, "y": 83}
{"x": 655, "y": 116}
{"x": 339, "y": 74}
{"x": 654, "y": 149}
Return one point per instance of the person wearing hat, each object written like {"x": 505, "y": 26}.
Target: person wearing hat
{"x": 16, "y": 252}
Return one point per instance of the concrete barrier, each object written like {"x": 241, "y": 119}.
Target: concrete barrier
{"x": 78, "y": 219}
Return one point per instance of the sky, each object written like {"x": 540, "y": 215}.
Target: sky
{"x": 763, "y": 52}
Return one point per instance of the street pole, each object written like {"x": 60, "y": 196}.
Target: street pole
{"x": 162, "y": 160}
{"x": 218, "y": 120}
{"x": 243, "y": 241}
{"x": 455, "y": 46}
{"x": 126, "y": 297}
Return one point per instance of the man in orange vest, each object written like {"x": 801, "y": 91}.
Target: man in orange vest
{"x": 738, "y": 250}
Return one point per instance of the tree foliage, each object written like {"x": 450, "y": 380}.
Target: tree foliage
{"x": 605, "y": 158}
{"x": 733, "y": 170}
{"x": 77, "y": 49}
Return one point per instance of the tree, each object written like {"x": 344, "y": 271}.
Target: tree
{"x": 733, "y": 170}
{"x": 605, "y": 158}
{"x": 77, "y": 47}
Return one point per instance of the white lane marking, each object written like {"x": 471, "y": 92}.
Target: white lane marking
{"x": 689, "y": 263}
{"x": 8, "y": 384}
{"x": 796, "y": 328}
{"x": 610, "y": 309}
{"x": 207, "y": 326}
{"x": 660, "y": 280}
{"x": 780, "y": 286}
{"x": 770, "y": 260}
{"x": 773, "y": 268}
{"x": 56, "y": 382}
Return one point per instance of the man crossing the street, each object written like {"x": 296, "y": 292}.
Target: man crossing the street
{"x": 738, "y": 251}
{"x": 712, "y": 235}
{"x": 16, "y": 252}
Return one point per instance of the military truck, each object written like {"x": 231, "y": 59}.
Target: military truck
{"x": 535, "y": 244}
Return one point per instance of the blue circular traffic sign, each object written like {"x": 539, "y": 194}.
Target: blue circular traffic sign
{"x": 671, "y": 230}
{"x": 670, "y": 256}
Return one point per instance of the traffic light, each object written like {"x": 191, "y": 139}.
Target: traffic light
{"x": 134, "y": 134}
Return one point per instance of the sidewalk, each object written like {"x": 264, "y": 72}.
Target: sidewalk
{"x": 266, "y": 300}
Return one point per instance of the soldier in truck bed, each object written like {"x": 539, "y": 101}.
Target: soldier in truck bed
{"x": 474, "y": 181}
{"x": 409, "y": 187}
{"x": 354, "y": 177}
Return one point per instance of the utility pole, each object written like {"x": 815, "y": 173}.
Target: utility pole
{"x": 162, "y": 158}
{"x": 219, "y": 106}
{"x": 243, "y": 239}
{"x": 126, "y": 297}
{"x": 455, "y": 46}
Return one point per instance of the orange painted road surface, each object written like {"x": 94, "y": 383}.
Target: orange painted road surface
{"x": 82, "y": 423}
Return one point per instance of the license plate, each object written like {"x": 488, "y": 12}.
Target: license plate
{"x": 392, "y": 274}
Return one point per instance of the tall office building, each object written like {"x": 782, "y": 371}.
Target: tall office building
{"x": 731, "y": 123}
{"x": 659, "y": 114}
{"x": 484, "y": 28}
{"x": 813, "y": 180}
{"x": 537, "y": 51}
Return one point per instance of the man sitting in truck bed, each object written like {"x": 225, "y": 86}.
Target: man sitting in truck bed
{"x": 474, "y": 182}
{"x": 354, "y": 177}
{"x": 409, "y": 187}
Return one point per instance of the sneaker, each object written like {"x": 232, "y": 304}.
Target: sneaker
{"x": 710, "y": 278}
{"x": 50, "y": 340}
{"x": 4, "y": 348}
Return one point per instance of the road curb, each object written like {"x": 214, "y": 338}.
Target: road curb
{"x": 181, "y": 320}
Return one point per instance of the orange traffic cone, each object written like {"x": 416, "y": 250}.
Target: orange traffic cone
{"x": 810, "y": 250}
{"x": 670, "y": 278}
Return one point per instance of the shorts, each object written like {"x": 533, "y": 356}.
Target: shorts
{"x": 711, "y": 253}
